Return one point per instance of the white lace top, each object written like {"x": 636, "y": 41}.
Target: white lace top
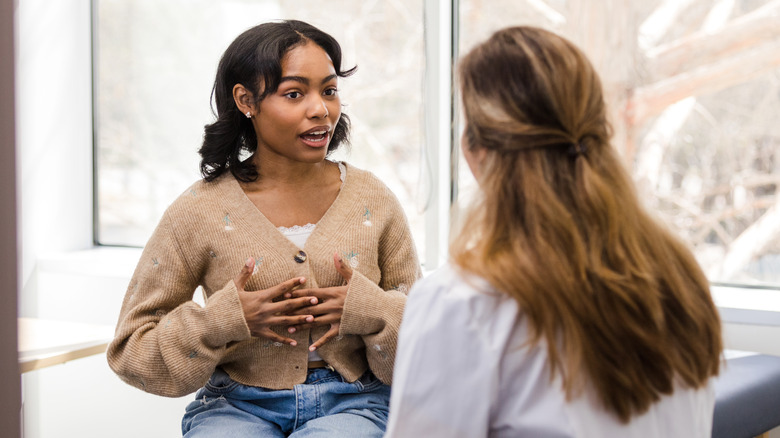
{"x": 298, "y": 234}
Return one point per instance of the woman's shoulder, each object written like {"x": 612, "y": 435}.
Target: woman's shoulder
{"x": 363, "y": 185}
{"x": 362, "y": 178}
{"x": 450, "y": 283}
{"x": 202, "y": 194}
{"x": 459, "y": 302}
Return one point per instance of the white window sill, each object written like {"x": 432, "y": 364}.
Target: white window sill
{"x": 744, "y": 305}
{"x": 100, "y": 261}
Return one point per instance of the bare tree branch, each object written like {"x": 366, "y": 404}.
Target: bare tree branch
{"x": 750, "y": 243}
{"x": 707, "y": 47}
{"x": 650, "y": 100}
{"x": 660, "y": 21}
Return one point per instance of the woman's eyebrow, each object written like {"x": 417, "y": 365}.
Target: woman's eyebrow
{"x": 305, "y": 80}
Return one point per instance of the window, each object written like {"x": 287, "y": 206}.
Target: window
{"x": 156, "y": 62}
{"x": 693, "y": 87}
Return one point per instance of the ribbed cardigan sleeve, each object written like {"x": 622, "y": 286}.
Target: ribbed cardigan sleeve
{"x": 165, "y": 343}
{"x": 373, "y": 311}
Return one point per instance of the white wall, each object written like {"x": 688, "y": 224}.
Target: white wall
{"x": 54, "y": 163}
{"x": 54, "y": 127}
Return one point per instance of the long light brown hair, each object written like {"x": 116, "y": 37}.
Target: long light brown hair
{"x": 621, "y": 304}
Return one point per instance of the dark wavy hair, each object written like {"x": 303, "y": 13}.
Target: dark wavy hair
{"x": 252, "y": 59}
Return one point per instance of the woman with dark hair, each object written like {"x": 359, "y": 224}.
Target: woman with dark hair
{"x": 304, "y": 262}
{"x": 567, "y": 310}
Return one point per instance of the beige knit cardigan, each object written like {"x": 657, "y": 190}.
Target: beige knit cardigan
{"x": 167, "y": 344}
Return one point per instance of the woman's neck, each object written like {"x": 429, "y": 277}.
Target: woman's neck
{"x": 294, "y": 193}
{"x": 281, "y": 174}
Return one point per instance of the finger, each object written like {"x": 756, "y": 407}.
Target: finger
{"x": 295, "y": 306}
{"x": 329, "y": 318}
{"x": 318, "y": 321}
{"x": 245, "y": 273}
{"x": 300, "y": 327}
{"x": 319, "y": 311}
{"x": 324, "y": 293}
{"x": 297, "y": 293}
{"x": 293, "y": 321}
{"x": 286, "y": 287}
{"x": 270, "y": 334}
{"x": 342, "y": 268}
{"x": 330, "y": 334}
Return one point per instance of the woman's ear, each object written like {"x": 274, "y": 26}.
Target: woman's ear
{"x": 245, "y": 102}
{"x": 475, "y": 157}
{"x": 480, "y": 153}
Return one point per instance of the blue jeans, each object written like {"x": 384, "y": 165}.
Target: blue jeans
{"x": 323, "y": 406}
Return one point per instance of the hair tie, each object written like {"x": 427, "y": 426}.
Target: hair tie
{"x": 577, "y": 149}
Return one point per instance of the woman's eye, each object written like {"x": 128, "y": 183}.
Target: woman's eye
{"x": 331, "y": 92}
{"x": 293, "y": 94}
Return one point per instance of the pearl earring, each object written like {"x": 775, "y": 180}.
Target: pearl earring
{"x": 248, "y": 115}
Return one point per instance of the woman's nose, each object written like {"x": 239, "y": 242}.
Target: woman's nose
{"x": 318, "y": 109}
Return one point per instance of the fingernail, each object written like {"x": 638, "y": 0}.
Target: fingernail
{"x": 248, "y": 262}
{"x": 312, "y": 348}
{"x": 314, "y": 301}
{"x": 287, "y": 295}
{"x": 293, "y": 343}
{"x": 309, "y": 318}
{"x": 302, "y": 280}
{"x": 291, "y": 330}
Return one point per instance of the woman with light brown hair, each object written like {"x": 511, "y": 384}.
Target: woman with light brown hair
{"x": 566, "y": 310}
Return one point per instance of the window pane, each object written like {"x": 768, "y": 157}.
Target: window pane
{"x": 694, "y": 91}
{"x": 156, "y": 64}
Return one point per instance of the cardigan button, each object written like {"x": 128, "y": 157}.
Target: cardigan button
{"x": 300, "y": 257}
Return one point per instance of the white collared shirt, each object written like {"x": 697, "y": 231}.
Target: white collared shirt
{"x": 462, "y": 370}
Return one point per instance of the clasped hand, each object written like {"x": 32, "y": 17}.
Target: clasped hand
{"x": 300, "y": 308}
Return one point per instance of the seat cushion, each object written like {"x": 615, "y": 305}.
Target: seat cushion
{"x": 747, "y": 397}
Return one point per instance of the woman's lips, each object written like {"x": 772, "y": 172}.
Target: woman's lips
{"x": 316, "y": 138}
